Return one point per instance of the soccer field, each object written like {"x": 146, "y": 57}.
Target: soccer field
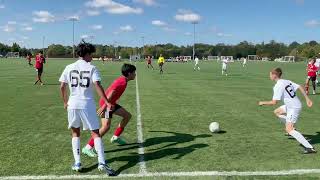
{"x": 176, "y": 110}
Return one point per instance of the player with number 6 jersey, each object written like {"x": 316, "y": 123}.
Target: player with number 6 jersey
{"x": 288, "y": 113}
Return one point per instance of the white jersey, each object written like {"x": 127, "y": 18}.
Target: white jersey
{"x": 286, "y": 90}
{"x": 244, "y": 61}
{"x": 80, "y": 77}
{"x": 317, "y": 63}
{"x": 196, "y": 60}
{"x": 224, "y": 64}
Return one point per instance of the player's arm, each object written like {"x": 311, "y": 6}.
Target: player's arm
{"x": 102, "y": 109}
{"x": 63, "y": 92}
{"x": 308, "y": 100}
{"x": 101, "y": 93}
{"x": 268, "y": 103}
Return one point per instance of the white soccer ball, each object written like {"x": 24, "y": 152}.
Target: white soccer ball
{"x": 214, "y": 127}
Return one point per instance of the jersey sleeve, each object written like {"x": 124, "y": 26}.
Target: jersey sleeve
{"x": 64, "y": 76}
{"x": 95, "y": 75}
{"x": 295, "y": 86}
{"x": 277, "y": 92}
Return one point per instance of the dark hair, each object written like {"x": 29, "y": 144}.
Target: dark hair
{"x": 277, "y": 71}
{"x": 85, "y": 48}
{"x": 41, "y": 52}
{"x": 127, "y": 68}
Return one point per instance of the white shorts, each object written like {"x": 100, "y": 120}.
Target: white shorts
{"x": 88, "y": 117}
{"x": 224, "y": 67}
{"x": 292, "y": 114}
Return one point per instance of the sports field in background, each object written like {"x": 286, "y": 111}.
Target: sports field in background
{"x": 176, "y": 110}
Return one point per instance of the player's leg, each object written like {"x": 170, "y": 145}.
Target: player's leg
{"x": 126, "y": 116}
{"x": 74, "y": 125}
{"x": 313, "y": 80}
{"x": 39, "y": 75}
{"x": 151, "y": 66}
{"x": 292, "y": 117}
{"x": 280, "y": 112}
{"x": 307, "y": 85}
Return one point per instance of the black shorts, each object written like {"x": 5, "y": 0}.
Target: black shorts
{"x": 161, "y": 64}
{"x": 108, "y": 114}
{"x": 39, "y": 70}
{"x": 312, "y": 78}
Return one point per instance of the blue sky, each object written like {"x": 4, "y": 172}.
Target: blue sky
{"x": 124, "y": 22}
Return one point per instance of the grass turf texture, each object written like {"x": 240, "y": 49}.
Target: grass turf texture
{"x": 176, "y": 109}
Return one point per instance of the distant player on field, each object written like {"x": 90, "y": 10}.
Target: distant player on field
{"x": 225, "y": 66}
{"x": 288, "y": 113}
{"x": 106, "y": 111}
{"x": 81, "y": 76}
{"x": 161, "y": 63}
{"x": 196, "y": 64}
{"x": 312, "y": 75}
{"x": 40, "y": 60}
{"x": 29, "y": 58}
{"x": 149, "y": 62}
{"x": 244, "y": 63}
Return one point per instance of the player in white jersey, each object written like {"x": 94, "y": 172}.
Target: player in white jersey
{"x": 244, "y": 63}
{"x": 285, "y": 90}
{"x": 196, "y": 65}
{"x": 224, "y": 66}
{"x": 82, "y": 77}
{"x": 317, "y": 64}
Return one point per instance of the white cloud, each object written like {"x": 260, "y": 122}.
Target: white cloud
{"x": 169, "y": 29}
{"x": 86, "y": 36}
{"x": 312, "y": 23}
{"x": 2, "y": 6}
{"x": 12, "y": 22}
{"x": 126, "y": 28}
{"x": 43, "y": 17}
{"x": 113, "y": 7}
{"x": 187, "y": 16}
{"x": 27, "y": 28}
{"x": 96, "y": 27}
{"x": 188, "y": 33}
{"x": 25, "y": 37}
{"x": 93, "y": 12}
{"x": 7, "y": 28}
{"x": 74, "y": 17}
{"x": 158, "y": 23}
{"x": 146, "y": 2}
{"x": 224, "y": 35}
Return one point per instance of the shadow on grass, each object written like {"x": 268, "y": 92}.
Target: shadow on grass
{"x": 315, "y": 139}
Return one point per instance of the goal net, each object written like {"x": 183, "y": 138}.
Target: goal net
{"x": 13, "y": 55}
{"x": 213, "y": 58}
{"x": 253, "y": 57}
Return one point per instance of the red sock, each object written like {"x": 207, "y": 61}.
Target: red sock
{"x": 118, "y": 131}
{"x": 91, "y": 142}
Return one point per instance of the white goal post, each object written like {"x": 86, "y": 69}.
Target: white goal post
{"x": 253, "y": 57}
{"x": 229, "y": 58}
{"x": 13, "y": 55}
{"x": 286, "y": 59}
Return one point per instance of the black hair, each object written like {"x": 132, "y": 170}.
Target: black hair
{"x": 85, "y": 48}
{"x": 127, "y": 68}
{"x": 41, "y": 52}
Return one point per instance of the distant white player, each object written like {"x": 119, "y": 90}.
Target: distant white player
{"x": 196, "y": 65}
{"x": 81, "y": 77}
{"x": 317, "y": 64}
{"x": 289, "y": 113}
{"x": 244, "y": 63}
{"x": 225, "y": 66}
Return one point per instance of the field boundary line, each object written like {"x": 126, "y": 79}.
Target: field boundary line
{"x": 174, "y": 174}
{"x": 142, "y": 163}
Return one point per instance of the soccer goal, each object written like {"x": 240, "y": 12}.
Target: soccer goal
{"x": 13, "y": 55}
{"x": 288, "y": 59}
{"x": 253, "y": 57}
{"x": 186, "y": 58}
{"x": 213, "y": 58}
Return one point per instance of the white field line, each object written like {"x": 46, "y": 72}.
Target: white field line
{"x": 142, "y": 163}
{"x": 174, "y": 174}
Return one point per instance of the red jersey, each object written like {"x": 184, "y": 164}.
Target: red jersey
{"x": 118, "y": 86}
{"x": 149, "y": 60}
{"x": 39, "y": 62}
{"x": 312, "y": 69}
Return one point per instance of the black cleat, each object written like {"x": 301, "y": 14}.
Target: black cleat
{"x": 309, "y": 151}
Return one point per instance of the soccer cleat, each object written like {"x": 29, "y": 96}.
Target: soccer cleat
{"x": 118, "y": 140}
{"x": 107, "y": 169}
{"x": 309, "y": 151}
{"x": 314, "y": 92}
{"x": 89, "y": 152}
{"x": 76, "y": 167}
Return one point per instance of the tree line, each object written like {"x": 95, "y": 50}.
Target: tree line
{"x": 270, "y": 49}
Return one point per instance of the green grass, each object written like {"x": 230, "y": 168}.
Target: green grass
{"x": 177, "y": 108}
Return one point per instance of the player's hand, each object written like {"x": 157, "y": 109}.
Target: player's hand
{"x": 309, "y": 103}
{"x": 101, "y": 111}
{"x": 65, "y": 105}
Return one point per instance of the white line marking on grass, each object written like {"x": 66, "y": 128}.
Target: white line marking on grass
{"x": 142, "y": 163}
{"x": 175, "y": 174}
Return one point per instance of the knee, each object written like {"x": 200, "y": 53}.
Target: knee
{"x": 289, "y": 129}
{"x": 127, "y": 117}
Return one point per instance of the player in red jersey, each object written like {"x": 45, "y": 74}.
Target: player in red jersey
{"x": 149, "y": 62}
{"x": 29, "y": 57}
{"x": 40, "y": 60}
{"x": 113, "y": 93}
{"x": 312, "y": 75}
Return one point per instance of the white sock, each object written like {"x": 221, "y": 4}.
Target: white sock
{"x": 298, "y": 136}
{"x": 76, "y": 149}
{"x": 282, "y": 118}
{"x": 98, "y": 144}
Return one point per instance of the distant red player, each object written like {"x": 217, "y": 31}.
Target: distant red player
{"x": 312, "y": 75}
{"x": 40, "y": 60}
{"x": 149, "y": 62}
{"x": 29, "y": 57}
{"x": 113, "y": 93}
